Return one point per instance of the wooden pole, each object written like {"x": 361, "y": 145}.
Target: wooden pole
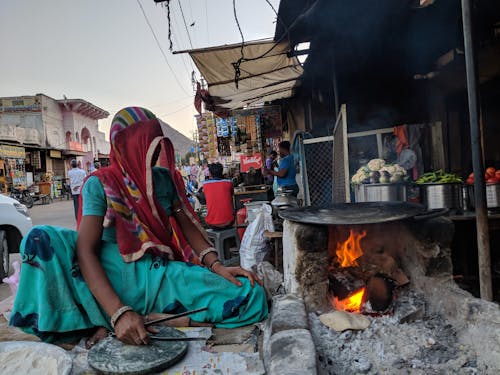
{"x": 483, "y": 238}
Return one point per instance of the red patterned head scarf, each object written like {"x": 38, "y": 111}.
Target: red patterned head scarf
{"x": 142, "y": 225}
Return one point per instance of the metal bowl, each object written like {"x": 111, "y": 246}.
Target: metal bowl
{"x": 380, "y": 193}
{"x": 492, "y": 195}
{"x": 438, "y": 196}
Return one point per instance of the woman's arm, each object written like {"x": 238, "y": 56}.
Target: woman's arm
{"x": 199, "y": 243}
{"x": 130, "y": 327}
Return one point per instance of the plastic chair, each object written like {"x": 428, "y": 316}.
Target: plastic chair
{"x": 218, "y": 237}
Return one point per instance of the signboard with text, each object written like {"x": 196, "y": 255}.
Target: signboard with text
{"x": 12, "y": 152}
{"x": 21, "y": 104}
{"x": 247, "y": 162}
{"x": 75, "y": 146}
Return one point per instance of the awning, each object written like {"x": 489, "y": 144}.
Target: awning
{"x": 266, "y": 72}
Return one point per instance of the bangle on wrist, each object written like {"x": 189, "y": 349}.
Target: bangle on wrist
{"x": 205, "y": 252}
{"x": 211, "y": 267}
{"x": 119, "y": 313}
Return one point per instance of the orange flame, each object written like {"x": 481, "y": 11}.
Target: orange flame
{"x": 350, "y": 250}
{"x": 352, "y": 303}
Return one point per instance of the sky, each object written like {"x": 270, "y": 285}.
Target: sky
{"x": 103, "y": 51}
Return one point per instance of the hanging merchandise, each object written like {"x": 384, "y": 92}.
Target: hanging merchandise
{"x": 207, "y": 135}
{"x": 223, "y": 146}
{"x": 36, "y": 161}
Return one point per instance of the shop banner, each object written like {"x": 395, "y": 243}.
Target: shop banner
{"x": 55, "y": 154}
{"x": 75, "y": 146}
{"x": 12, "y": 152}
{"x": 247, "y": 162}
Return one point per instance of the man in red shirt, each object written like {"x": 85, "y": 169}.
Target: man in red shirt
{"x": 219, "y": 195}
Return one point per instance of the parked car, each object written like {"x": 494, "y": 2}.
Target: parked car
{"x": 15, "y": 222}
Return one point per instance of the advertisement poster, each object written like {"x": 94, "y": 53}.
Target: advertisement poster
{"x": 247, "y": 162}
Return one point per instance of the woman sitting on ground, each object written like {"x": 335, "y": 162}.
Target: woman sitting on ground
{"x": 130, "y": 258}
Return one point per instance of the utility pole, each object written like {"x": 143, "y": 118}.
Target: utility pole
{"x": 483, "y": 237}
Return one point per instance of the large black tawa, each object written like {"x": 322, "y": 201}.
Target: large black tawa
{"x": 111, "y": 356}
{"x": 354, "y": 213}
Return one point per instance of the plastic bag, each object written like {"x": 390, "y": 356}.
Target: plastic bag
{"x": 254, "y": 247}
{"x": 273, "y": 279}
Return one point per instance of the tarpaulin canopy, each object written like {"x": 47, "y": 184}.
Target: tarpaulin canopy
{"x": 266, "y": 72}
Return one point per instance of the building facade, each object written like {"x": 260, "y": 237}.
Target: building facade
{"x": 39, "y": 134}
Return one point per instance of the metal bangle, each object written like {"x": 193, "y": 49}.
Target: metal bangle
{"x": 118, "y": 314}
{"x": 205, "y": 252}
{"x": 211, "y": 267}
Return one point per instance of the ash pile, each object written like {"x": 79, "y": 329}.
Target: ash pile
{"x": 410, "y": 341}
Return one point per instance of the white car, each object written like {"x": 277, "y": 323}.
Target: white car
{"x": 15, "y": 222}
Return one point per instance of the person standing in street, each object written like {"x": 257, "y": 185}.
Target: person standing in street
{"x": 76, "y": 176}
{"x": 286, "y": 170}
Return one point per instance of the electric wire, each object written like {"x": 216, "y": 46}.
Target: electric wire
{"x": 161, "y": 49}
{"x": 206, "y": 20}
{"x": 177, "y": 110}
{"x": 185, "y": 24}
{"x": 176, "y": 28}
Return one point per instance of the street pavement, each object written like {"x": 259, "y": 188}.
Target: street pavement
{"x": 59, "y": 213}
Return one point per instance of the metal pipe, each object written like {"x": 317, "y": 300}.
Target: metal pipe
{"x": 483, "y": 239}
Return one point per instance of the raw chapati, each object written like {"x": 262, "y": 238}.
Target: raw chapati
{"x": 33, "y": 358}
{"x": 343, "y": 320}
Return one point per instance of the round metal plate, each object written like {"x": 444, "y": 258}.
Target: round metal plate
{"x": 354, "y": 213}
{"x": 111, "y": 356}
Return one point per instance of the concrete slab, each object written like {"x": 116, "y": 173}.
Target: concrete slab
{"x": 292, "y": 353}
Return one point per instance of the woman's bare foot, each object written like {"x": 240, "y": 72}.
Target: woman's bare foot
{"x": 99, "y": 334}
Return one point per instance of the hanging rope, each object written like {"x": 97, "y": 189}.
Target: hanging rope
{"x": 171, "y": 45}
{"x": 236, "y": 65}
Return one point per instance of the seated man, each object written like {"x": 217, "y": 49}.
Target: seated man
{"x": 219, "y": 196}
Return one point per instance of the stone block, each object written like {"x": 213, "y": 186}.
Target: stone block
{"x": 288, "y": 312}
{"x": 292, "y": 353}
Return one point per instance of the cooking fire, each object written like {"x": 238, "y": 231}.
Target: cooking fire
{"x": 362, "y": 280}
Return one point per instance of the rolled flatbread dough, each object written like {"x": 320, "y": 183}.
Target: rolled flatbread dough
{"x": 343, "y": 320}
{"x": 27, "y": 362}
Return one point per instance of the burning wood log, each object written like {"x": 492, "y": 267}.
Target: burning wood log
{"x": 344, "y": 283}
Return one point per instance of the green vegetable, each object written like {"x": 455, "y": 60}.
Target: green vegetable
{"x": 439, "y": 177}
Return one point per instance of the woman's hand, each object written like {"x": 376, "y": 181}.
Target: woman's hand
{"x": 130, "y": 329}
{"x": 230, "y": 273}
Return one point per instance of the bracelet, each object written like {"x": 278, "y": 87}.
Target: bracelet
{"x": 178, "y": 210}
{"x": 118, "y": 314}
{"x": 211, "y": 267}
{"x": 205, "y": 252}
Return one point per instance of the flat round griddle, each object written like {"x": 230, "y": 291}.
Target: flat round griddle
{"x": 354, "y": 213}
{"x": 111, "y": 356}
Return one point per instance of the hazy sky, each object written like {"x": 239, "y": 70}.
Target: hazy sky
{"x": 103, "y": 51}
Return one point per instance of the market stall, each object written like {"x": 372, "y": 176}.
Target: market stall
{"x": 12, "y": 167}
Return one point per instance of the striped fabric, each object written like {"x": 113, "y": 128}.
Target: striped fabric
{"x": 129, "y": 116}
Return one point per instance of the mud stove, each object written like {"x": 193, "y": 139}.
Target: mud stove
{"x": 389, "y": 261}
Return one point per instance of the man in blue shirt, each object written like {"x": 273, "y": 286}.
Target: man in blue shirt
{"x": 286, "y": 170}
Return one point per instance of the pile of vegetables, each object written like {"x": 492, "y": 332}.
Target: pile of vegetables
{"x": 439, "y": 177}
{"x": 491, "y": 176}
{"x": 378, "y": 172}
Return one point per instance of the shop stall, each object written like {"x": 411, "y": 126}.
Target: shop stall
{"x": 12, "y": 167}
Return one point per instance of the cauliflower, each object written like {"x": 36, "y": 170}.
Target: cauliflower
{"x": 375, "y": 165}
{"x": 359, "y": 177}
{"x": 399, "y": 170}
{"x": 389, "y": 169}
